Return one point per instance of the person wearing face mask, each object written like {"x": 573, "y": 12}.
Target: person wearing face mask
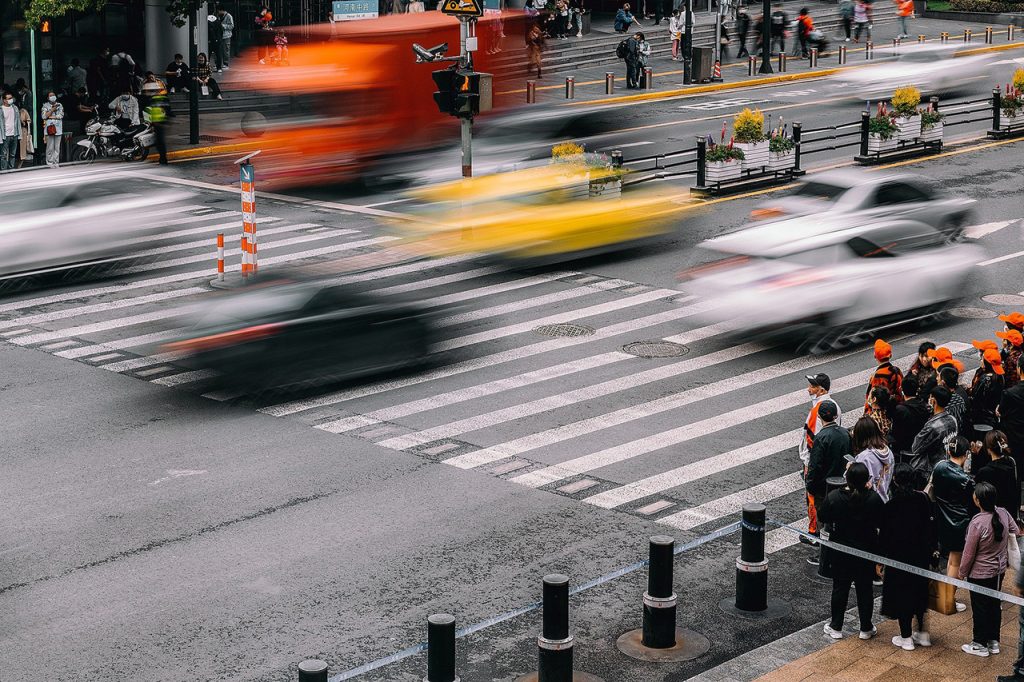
{"x": 126, "y": 110}
{"x": 817, "y": 389}
{"x": 53, "y": 128}
{"x": 927, "y": 448}
{"x": 178, "y": 74}
{"x": 204, "y": 76}
{"x": 10, "y": 132}
{"x": 951, "y": 490}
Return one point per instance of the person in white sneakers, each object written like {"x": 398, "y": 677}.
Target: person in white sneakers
{"x": 817, "y": 388}
{"x": 855, "y": 512}
{"x": 907, "y": 535}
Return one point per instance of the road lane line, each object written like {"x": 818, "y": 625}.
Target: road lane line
{"x": 721, "y": 507}
{"x": 106, "y": 325}
{"x": 549, "y": 403}
{"x": 101, "y": 307}
{"x": 680, "y": 434}
{"x": 694, "y": 471}
{"x": 528, "y": 351}
{"x": 523, "y": 304}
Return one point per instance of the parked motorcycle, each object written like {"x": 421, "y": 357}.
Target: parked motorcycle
{"x": 104, "y": 139}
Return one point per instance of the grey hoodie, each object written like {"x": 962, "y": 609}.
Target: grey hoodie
{"x": 879, "y": 464}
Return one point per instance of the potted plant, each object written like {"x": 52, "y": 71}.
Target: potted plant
{"x": 908, "y": 121}
{"x": 881, "y": 132}
{"x": 781, "y": 154}
{"x": 1011, "y": 103}
{"x": 931, "y": 125}
{"x": 748, "y": 137}
{"x": 722, "y": 162}
{"x": 605, "y": 180}
{"x": 572, "y": 156}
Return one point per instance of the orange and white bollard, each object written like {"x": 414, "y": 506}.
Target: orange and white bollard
{"x": 220, "y": 257}
{"x": 717, "y": 73}
{"x": 248, "y": 183}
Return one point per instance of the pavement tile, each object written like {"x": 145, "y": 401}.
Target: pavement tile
{"x": 865, "y": 668}
{"x": 899, "y": 673}
{"x": 950, "y": 663}
{"x": 789, "y": 673}
{"x": 912, "y": 659}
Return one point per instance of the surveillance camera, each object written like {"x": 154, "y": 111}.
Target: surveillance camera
{"x": 429, "y": 54}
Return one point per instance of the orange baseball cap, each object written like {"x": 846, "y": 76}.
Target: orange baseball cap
{"x": 1014, "y": 320}
{"x": 985, "y": 345}
{"x": 995, "y": 361}
{"x": 943, "y": 356}
{"x": 1013, "y": 336}
{"x": 883, "y": 351}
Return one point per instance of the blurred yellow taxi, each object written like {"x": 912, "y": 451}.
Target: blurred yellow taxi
{"x": 538, "y": 212}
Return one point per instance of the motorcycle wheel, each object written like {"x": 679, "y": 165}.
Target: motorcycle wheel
{"x": 84, "y": 154}
{"x": 139, "y": 154}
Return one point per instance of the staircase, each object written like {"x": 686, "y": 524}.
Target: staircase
{"x": 599, "y": 48}
{"x": 235, "y": 101}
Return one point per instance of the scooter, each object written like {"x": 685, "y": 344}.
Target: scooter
{"x": 105, "y": 139}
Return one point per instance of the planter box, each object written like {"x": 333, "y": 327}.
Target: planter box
{"x": 877, "y": 145}
{"x": 755, "y": 155}
{"x": 606, "y": 189}
{"x": 933, "y": 134}
{"x": 720, "y": 171}
{"x": 908, "y": 128}
{"x": 779, "y": 162}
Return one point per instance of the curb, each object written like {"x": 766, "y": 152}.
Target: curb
{"x": 210, "y": 150}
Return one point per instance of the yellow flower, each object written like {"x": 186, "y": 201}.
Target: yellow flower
{"x": 906, "y": 99}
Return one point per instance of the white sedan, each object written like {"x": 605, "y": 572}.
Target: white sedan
{"x": 60, "y": 219}
{"x": 825, "y": 282}
{"x": 934, "y": 69}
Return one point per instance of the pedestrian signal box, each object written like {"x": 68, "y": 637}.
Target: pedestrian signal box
{"x": 462, "y": 8}
{"x": 463, "y": 93}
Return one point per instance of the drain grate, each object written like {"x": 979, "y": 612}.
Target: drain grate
{"x": 565, "y": 329}
{"x": 972, "y": 313}
{"x": 1004, "y": 299}
{"x": 655, "y": 349}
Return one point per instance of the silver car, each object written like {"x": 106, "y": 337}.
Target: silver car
{"x": 871, "y": 196}
{"x": 934, "y": 69}
{"x": 58, "y": 219}
{"x": 825, "y": 282}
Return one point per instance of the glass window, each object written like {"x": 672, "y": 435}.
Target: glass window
{"x": 820, "y": 190}
{"x": 826, "y": 255}
{"x": 896, "y": 193}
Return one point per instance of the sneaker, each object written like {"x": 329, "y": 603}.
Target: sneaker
{"x": 975, "y": 649}
{"x": 960, "y": 607}
{"x": 812, "y": 560}
{"x": 905, "y": 643}
{"x": 808, "y": 541}
{"x": 220, "y": 97}
{"x": 834, "y": 634}
{"x": 993, "y": 647}
{"x": 877, "y": 582}
{"x": 172, "y": 91}
{"x": 922, "y": 639}
{"x": 847, "y": 40}
{"x": 263, "y": 61}
{"x": 185, "y": 90}
{"x": 1015, "y": 677}
{"x": 868, "y": 634}
{"x": 226, "y": 67}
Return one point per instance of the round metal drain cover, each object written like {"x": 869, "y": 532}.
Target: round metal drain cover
{"x": 972, "y": 313}
{"x": 1004, "y": 299}
{"x": 655, "y": 349}
{"x": 564, "y": 329}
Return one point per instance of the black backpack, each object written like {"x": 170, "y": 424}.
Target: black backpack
{"x": 622, "y": 50}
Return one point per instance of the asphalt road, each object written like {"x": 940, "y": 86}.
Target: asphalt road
{"x": 153, "y": 533}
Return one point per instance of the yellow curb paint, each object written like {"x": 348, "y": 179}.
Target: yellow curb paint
{"x": 213, "y": 149}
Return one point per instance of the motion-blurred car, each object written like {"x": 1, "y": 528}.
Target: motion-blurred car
{"x": 66, "y": 218}
{"x": 934, "y": 69}
{"x": 537, "y": 214}
{"x": 303, "y": 333}
{"x": 824, "y": 282}
{"x": 871, "y": 196}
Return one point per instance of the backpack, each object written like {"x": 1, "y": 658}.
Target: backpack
{"x": 622, "y": 50}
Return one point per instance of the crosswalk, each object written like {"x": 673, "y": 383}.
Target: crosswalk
{"x": 534, "y": 380}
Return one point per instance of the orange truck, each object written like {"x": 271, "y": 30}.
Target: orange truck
{"x": 358, "y": 99}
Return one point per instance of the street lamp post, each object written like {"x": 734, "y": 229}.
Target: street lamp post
{"x": 193, "y": 58}
{"x": 688, "y": 42}
{"x": 766, "y": 37}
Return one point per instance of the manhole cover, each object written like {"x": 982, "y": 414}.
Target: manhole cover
{"x": 1004, "y": 299}
{"x": 564, "y": 329}
{"x": 972, "y": 313}
{"x": 655, "y": 349}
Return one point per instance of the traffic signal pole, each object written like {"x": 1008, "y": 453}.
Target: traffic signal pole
{"x": 466, "y": 62}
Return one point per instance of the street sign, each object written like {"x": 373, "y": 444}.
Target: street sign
{"x": 462, "y": 8}
{"x": 350, "y": 10}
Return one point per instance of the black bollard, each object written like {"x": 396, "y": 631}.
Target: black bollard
{"x": 441, "y": 648}
{"x": 997, "y": 122}
{"x": 617, "y": 159}
{"x": 312, "y": 670}
{"x": 609, "y": 83}
{"x": 554, "y": 662}
{"x": 865, "y": 129}
{"x": 797, "y": 136}
{"x": 751, "y": 65}
{"x": 824, "y": 554}
{"x": 782, "y": 62}
{"x": 751, "y": 566}
{"x": 702, "y": 153}
{"x": 659, "y": 629}
{"x": 531, "y": 92}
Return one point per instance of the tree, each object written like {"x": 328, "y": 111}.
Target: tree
{"x": 37, "y": 10}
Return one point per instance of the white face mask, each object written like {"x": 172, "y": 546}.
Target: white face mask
{"x": 8, "y": 101}
{"x": 52, "y": 98}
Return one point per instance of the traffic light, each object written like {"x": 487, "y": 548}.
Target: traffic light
{"x": 44, "y": 26}
{"x": 444, "y": 96}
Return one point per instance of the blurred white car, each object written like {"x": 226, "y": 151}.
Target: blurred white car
{"x": 66, "y": 218}
{"x": 934, "y": 69}
{"x": 826, "y": 282}
{"x": 871, "y": 196}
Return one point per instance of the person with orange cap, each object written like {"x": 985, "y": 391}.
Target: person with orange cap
{"x": 1013, "y": 321}
{"x": 886, "y": 375}
{"x": 941, "y": 357}
{"x": 986, "y": 393}
{"x": 1011, "y": 417}
{"x": 982, "y": 346}
{"x": 1013, "y": 344}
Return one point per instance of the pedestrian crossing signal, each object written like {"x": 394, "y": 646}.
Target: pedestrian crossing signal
{"x": 462, "y": 8}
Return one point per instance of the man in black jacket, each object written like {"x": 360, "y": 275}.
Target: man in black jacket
{"x": 827, "y": 457}
{"x": 909, "y": 417}
{"x": 1011, "y": 416}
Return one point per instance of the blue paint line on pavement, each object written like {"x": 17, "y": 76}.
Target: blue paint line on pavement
{"x": 908, "y": 568}
{"x": 522, "y": 610}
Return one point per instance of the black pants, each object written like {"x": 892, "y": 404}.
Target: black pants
{"x": 985, "y": 611}
{"x": 906, "y": 622}
{"x": 859, "y": 573}
{"x": 803, "y": 45}
{"x": 632, "y": 74}
{"x": 742, "y": 39}
{"x": 847, "y": 25}
{"x": 781, "y": 40}
{"x": 161, "y": 142}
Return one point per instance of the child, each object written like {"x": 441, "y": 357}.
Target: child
{"x": 281, "y": 40}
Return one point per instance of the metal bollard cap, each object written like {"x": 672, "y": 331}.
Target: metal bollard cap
{"x": 556, "y": 579}
{"x": 312, "y": 665}
{"x": 441, "y": 619}
{"x": 662, "y": 540}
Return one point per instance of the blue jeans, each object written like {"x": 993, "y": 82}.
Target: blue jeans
{"x": 903, "y": 26}
{"x": 8, "y": 152}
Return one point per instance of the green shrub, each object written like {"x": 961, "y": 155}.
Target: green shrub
{"x": 748, "y": 126}
{"x": 883, "y": 126}
{"x": 985, "y": 6}
{"x": 722, "y": 152}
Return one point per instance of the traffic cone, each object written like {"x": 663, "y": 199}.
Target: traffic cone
{"x": 717, "y": 75}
